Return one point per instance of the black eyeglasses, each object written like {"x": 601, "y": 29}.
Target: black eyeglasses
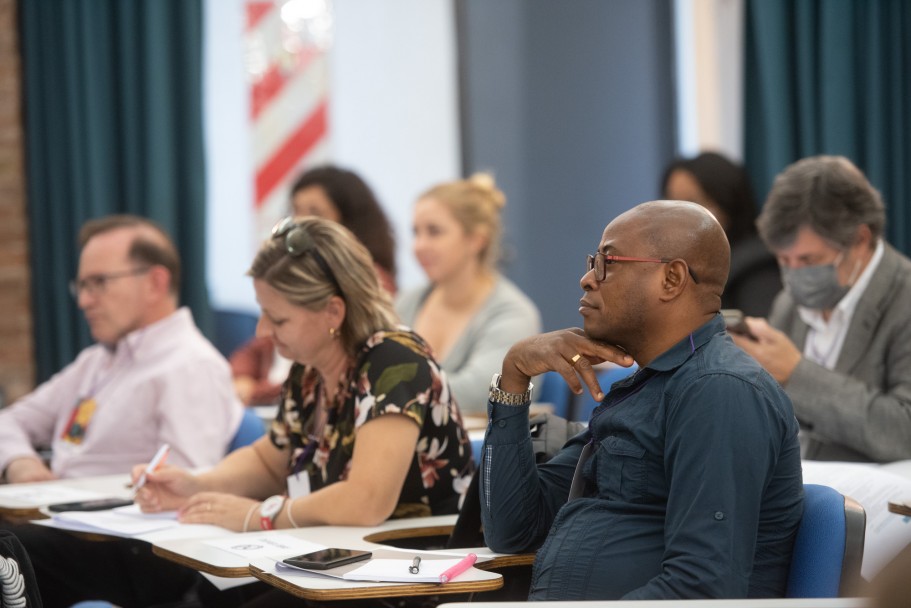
{"x": 600, "y": 261}
{"x": 298, "y": 242}
{"x": 97, "y": 283}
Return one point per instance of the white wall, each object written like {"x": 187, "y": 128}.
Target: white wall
{"x": 709, "y": 73}
{"x": 393, "y": 119}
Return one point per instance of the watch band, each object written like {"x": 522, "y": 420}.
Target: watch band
{"x": 501, "y": 397}
{"x": 269, "y": 510}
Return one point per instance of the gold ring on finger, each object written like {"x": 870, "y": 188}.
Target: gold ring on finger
{"x": 576, "y": 358}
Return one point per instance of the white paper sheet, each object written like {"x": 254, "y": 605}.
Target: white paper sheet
{"x": 37, "y": 495}
{"x": 256, "y": 545}
{"x": 122, "y": 521}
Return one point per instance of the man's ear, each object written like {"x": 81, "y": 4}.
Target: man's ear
{"x": 674, "y": 280}
{"x": 161, "y": 279}
{"x": 864, "y": 236}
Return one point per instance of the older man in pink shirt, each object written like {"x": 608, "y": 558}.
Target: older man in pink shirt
{"x": 152, "y": 377}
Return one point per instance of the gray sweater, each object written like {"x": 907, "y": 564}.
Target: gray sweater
{"x": 506, "y": 317}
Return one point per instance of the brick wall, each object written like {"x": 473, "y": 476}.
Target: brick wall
{"x": 17, "y": 370}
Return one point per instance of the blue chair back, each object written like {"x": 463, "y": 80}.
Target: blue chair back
{"x": 829, "y": 546}
{"x": 555, "y": 390}
{"x": 585, "y": 404}
{"x": 251, "y": 428}
{"x": 233, "y": 328}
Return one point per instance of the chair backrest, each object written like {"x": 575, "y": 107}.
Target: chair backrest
{"x": 556, "y": 391}
{"x": 251, "y": 428}
{"x": 829, "y": 546}
{"x": 232, "y": 328}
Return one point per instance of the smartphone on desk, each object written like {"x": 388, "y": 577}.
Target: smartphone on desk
{"x": 98, "y": 504}
{"x": 733, "y": 321}
{"x": 325, "y": 559}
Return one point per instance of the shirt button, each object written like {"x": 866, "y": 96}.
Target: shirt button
{"x": 719, "y": 515}
{"x": 501, "y": 423}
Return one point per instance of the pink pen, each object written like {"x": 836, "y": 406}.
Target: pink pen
{"x": 464, "y": 564}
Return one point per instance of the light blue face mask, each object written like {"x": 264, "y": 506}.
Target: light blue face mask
{"x": 816, "y": 286}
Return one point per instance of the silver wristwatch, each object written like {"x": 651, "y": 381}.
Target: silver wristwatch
{"x": 503, "y": 398}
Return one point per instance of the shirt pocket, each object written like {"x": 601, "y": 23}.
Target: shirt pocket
{"x": 620, "y": 469}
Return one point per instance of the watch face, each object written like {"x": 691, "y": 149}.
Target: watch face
{"x": 271, "y": 506}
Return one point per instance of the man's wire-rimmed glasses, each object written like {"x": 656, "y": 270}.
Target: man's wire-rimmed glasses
{"x": 600, "y": 261}
{"x": 97, "y": 283}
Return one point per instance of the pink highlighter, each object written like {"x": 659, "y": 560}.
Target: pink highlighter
{"x": 463, "y": 565}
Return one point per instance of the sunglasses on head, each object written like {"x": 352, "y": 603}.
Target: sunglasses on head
{"x": 298, "y": 242}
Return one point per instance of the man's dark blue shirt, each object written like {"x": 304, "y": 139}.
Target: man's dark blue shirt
{"x": 693, "y": 490}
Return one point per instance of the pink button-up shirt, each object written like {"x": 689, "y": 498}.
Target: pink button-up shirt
{"x": 164, "y": 383}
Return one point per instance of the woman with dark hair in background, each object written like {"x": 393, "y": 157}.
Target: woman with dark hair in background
{"x": 341, "y": 196}
{"x": 723, "y": 188}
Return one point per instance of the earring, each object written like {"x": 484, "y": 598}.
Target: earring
{"x": 332, "y": 331}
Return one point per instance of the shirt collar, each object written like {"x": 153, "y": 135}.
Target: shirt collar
{"x": 131, "y": 343}
{"x": 844, "y": 310}
{"x": 677, "y": 355}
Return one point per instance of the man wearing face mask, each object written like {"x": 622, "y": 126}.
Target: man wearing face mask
{"x": 838, "y": 338}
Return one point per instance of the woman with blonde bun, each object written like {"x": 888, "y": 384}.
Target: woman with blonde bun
{"x": 469, "y": 313}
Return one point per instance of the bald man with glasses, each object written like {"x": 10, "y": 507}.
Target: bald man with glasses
{"x": 150, "y": 379}
{"x": 687, "y": 482}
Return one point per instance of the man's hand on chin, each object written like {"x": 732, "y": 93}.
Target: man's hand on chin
{"x": 569, "y": 352}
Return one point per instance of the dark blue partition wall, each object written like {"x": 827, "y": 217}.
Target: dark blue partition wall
{"x": 571, "y": 105}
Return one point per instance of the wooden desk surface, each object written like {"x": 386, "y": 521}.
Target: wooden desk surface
{"x": 194, "y": 553}
{"x": 24, "y": 500}
{"x": 213, "y": 560}
{"x": 336, "y": 589}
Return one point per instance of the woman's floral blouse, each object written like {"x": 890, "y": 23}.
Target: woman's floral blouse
{"x": 394, "y": 373}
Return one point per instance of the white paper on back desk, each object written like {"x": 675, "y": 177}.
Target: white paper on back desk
{"x": 886, "y": 533}
{"x": 123, "y": 521}
{"x": 40, "y": 494}
{"x": 275, "y": 545}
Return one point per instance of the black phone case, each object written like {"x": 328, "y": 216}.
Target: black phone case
{"x": 100, "y": 504}
{"x": 327, "y": 565}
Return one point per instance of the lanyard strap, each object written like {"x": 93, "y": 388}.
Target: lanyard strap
{"x": 577, "y": 488}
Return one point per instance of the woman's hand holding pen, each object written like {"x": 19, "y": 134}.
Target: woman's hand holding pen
{"x": 166, "y": 489}
{"x": 220, "y": 509}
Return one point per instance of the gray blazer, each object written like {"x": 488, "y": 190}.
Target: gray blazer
{"x": 861, "y": 410}
{"x": 505, "y": 318}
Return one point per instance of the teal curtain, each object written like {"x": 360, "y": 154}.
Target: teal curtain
{"x": 832, "y": 77}
{"x": 113, "y": 120}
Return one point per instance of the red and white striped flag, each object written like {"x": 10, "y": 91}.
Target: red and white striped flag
{"x": 287, "y": 42}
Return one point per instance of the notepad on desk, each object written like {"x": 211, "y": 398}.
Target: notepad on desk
{"x": 396, "y": 571}
{"x": 393, "y": 570}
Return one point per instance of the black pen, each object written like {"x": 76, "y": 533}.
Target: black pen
{"x": 415, "y": 567}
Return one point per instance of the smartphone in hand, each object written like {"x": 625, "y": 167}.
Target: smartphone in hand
{"x": 733, "y": 321}
{"x": 327, "y": 558}
{"x": 98, "y": 504}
